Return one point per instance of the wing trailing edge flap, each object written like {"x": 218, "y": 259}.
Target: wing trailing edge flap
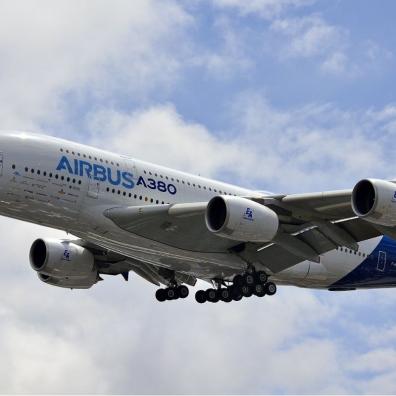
{"x": 326, "y": 215}
{"x": 110, "y": 263}
{"x": 156, "y": 275}
{"x": 288, "y": 251}
{"x": 146, "y": 273}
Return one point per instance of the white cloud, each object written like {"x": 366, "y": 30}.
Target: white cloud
{"x": 314, "y": 146}
{"x": 312, "y": 37}
{"x": 230, "y": 58}
{"x": 375, "y": 361}
{"x": 265, "y": 8}
{"x": 330, "y": 46}
{"x": 159, "y": 134}
{"x": 311, "y": 147}
{"x": 51, "y": 50}
{"x": 336, "y": 63}
{"x": 308, "y": 36}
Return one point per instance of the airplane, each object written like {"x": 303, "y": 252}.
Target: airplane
{"x": 172, "y": 228}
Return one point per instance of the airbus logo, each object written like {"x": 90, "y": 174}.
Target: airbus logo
{"x": 96, "y": 171}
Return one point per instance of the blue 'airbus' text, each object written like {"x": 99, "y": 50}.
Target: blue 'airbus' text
{"x": 115, "y": 177}
{"x": 97, "y": 172}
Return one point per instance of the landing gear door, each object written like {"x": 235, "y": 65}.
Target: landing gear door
{"x": 93, "y": 188}
{"x": 1, "y": 164}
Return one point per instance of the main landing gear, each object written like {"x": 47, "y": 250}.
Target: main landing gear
{"x": 242, "y": 286}
{"x": 172, "y": 293}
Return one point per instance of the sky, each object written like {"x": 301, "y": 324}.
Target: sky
{"x": 281, "y": 95}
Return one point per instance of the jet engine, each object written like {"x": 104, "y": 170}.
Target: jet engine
{"x": 241, "y": 219}
{"x": 375, "y": 201}
{"x": 59, "y": 259}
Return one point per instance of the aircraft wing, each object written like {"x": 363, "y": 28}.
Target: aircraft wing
{"x": 178, "y": 225}
{"x": 310, "y": 225}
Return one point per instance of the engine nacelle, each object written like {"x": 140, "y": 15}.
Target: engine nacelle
{"x": 70, "y": 283}
{"x": 241, "y": 219}
{"x": 60, "y": 259}
{"x": 375, "y": 201}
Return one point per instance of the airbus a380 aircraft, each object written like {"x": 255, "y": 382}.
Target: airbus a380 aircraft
{"x": 173, "y": 228}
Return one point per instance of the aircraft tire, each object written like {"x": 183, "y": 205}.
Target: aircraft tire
{"x": 238, "y": 280}
{"x": 211, "y": 295}
{"x": 225, "y": 295}
{"x": 261, "y": 277}
{"x": 160, "y": 295}
{"x": 259, "y": 290}
{"x": 183, "y": 291}
{"x": 200, "y": 296}
{"x": 249, "y": 279}
{"x": 270, "y": 288}
{"x": 246, "y": 291}
{"x": 171, "y": 293}
{"x": 237, "y": 297}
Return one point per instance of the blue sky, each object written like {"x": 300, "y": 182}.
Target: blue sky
{"x": 281, "y": 95}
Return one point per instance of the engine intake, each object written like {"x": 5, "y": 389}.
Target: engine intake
{"x": 216, "y": 214}
{"x": 375, "y": 201}
{"x": 38, "y": 254}
{"x": 241, "y": 219}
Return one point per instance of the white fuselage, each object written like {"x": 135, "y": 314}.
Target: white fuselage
{"x": 68, "y": 186}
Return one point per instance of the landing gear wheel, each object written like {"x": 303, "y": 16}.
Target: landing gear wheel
{"x": 270, "y": 288}
{"x": 160, "y": 295}
{"x": 211, "y": 295}
{"x": 238, "y": 280}
{"x": 261, "y": 277}
{"x": 237, "y": 297}
{"x": 183, "y": 291}
{"x": 249, "y": 279}
{"x": 225, "y": 295}
{"x": 171, "y": 293}
{"x": 246, "y": 291}
{"x": 259, "y": 290}
{"x": 200, "y": 297}
{"x": 235, "y": 292}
